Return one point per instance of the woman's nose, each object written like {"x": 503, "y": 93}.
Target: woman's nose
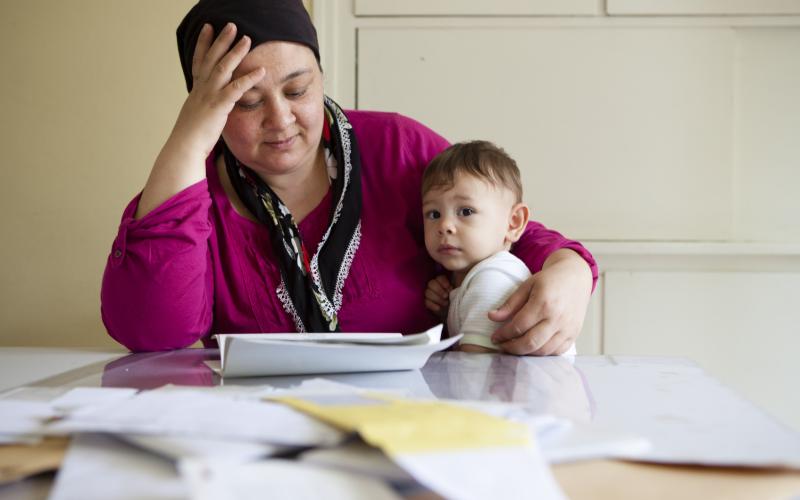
{"x": 279, "y": 115}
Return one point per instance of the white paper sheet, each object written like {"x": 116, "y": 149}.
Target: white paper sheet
{"x": 21, "y": 419}
{"x": 223, "y": 450}
{"x": 562, "y": 440}
{"x": 279, "y": 480}
{"x": 688, "y": 416}
{"x": 430, "y": 336}
{"x": 359, "y": 458}
{"x": 507, "y": 473}
{"x": 81, "y": 397}
{"x": 207, "y": 414}
{"x": 101, "y": 467}
{"x": 243, "y": 357}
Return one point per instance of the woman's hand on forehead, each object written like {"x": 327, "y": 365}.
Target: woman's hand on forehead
{"x": 181, "y": 161}
{"x": 214, "y": 89}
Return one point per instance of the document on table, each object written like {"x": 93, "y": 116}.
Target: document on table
{"x": 23, "y": 421}
{"x": 279, "y": 480}
{"x": 210, "y": 414}
{"x": 248, "y": 355}
{"x": 100, "y": 467}
{"x": 455, "y": 451}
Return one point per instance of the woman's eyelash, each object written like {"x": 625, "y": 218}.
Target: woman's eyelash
{"x": 248, "y": 105}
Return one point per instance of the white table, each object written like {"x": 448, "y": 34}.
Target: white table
{"x": 687, "y": 415}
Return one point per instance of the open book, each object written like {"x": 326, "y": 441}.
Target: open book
{"x": 263, "y": 354}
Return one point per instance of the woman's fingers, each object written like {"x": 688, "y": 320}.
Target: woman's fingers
{"x": 236, "y": 89}
{"x": 513, "y": 304}
{"x": 223, "y": 70}
{"x": 200, "y": 49}
{"x": 553, "y": 345}
{"x": 212, "y": 56}
{"x": 530, "y": 341}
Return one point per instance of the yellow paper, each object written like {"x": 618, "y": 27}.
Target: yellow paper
{"x": 400, "y": 426}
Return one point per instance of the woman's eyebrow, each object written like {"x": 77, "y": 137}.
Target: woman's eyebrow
{"x": 295, "y": 74}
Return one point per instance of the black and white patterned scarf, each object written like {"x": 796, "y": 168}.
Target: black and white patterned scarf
{"x": 311, "y": 285}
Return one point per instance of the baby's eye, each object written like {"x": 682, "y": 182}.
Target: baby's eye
{"x": 466, "y": 211}
{"x": 432, "y": 214}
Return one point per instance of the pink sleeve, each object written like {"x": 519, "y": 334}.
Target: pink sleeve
{"x": 538, "y": 243}
{"x": 157, "y": 287}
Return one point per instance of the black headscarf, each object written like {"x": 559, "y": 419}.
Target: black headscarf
{"x": 311, "y": 283}
{"x": 261, "y": 20}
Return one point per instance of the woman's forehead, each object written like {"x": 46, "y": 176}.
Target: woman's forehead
{"x": 280, "y": 59}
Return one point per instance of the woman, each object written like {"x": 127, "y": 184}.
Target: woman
{"x": 270, "y": 209}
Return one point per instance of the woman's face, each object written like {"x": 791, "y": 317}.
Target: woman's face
{"x": 275, "y": 128}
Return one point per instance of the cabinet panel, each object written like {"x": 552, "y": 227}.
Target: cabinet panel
{"x": 619, "y": 133}
{"x": 767, "y": 126}
{"x": 475, "y": 7}
{"x": 703, "y": 7}
{"x": 742, "y": 327}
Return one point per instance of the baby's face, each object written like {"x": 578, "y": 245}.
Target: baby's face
{"x": 466, "y": 223}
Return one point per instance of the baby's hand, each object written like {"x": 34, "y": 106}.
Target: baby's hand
{"x": 437, "y": 295}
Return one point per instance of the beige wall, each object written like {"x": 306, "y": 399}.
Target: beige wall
{"x": 88, "y": 90}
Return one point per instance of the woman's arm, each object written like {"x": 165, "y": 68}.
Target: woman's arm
{"x": 546, "y": 313}
{"x": 181, "y": 161}
{"x": 157, "y": 291}
{"x": 157, "y": 288}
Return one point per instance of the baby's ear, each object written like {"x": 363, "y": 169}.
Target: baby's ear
{"x": 517, "y": 222}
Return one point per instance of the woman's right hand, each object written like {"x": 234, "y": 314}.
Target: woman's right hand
{"x": 181, "y": 161}
{"x": 214, "y": 91}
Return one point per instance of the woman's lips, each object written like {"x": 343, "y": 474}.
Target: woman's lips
{"x": 281, "y": 144}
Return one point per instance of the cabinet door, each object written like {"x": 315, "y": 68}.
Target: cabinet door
{"x": 619, "y": 133}
{"x": 475, "y": 7}
{"x": 743, "y": 327}
{"x": 703, "y": 7}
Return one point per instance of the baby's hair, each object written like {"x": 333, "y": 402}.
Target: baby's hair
{"x": 480, "y": 159}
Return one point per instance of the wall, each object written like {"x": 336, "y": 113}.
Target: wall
{"x": 89, "y": 91}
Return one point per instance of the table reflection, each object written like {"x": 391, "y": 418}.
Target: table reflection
{"x": 545, "y": 385}
{"x": 151, "y": 370}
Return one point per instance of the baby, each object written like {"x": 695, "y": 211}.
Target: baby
{"x": 473, "y": 209}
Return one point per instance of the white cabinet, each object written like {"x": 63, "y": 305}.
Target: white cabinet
{"x": 619, "y": 133}
{"x": 475, "y": 7}
{"x": 703, "y": 7}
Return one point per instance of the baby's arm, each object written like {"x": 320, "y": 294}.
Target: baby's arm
{"x": 486, "y": 291}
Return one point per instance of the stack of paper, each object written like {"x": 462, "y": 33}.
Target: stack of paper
{"x": 209, "y": 414}
{"x": 296, "y": 443}
{"x": 455, "y": 451}
{"x": 249, "y": 355}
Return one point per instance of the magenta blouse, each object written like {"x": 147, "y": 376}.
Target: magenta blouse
{"x": 194, "y": 267}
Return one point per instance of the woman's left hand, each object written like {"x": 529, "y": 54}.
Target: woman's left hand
{"x": 546, "y": 313}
